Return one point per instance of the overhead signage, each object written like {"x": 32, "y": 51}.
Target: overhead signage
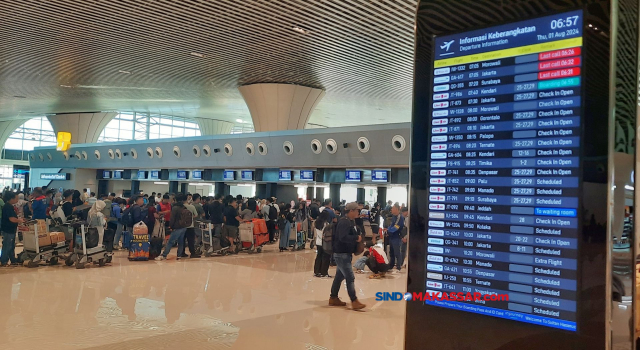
{"x": 63, "y": 141}
{"x": 285, "y": 175}
{"x": 353, "y": 175}
{"x": 306, "y": 175}
{"x": 229, "y": 175}
{"x": 379, "y": 176}
{"x": 117, "y": 174}
{"x": 55, "y": 176}
{"x": 504, "y": 195}
{"x": 246, "y": 175}
{"x": 142, "y": 175}
{"x": 106, "y": 174}
{"x": 182, "y": 175}
{"x": 154, "y": 175}
{"x": 196, "y": 175}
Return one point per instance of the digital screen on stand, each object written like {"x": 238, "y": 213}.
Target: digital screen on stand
{"x": 229, "y": 175}
{"x": 353, "y": 175}
{"x": 504, "y": 147}
{"x": 246, "y": 175}
{"x": 285, "y": 175}
{"x": 182, "y": 175}
{"x": 379, "y": 176}
{"x": 306, "y": 175}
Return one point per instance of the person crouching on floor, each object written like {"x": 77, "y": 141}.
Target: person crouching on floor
{"x": 377, "y": 262}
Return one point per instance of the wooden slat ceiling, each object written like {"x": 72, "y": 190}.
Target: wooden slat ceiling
{"x": 188, "y": 57}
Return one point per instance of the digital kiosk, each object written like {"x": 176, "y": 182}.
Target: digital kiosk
{"x": 508, "y": 242}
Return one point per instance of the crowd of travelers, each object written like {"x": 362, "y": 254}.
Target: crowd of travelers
{"x": 338, "y": 233}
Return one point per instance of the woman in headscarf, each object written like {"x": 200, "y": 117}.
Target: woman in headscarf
{"x": 96, "y": 219}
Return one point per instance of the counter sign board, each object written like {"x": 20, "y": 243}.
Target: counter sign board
{"x": 504, "y": 149}
{"x": 55, "y": 176}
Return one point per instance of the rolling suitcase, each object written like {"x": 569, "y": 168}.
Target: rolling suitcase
{"x": 126, "y": 239}
{"x": 156, "y": 241}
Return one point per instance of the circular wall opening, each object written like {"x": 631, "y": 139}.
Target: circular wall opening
{"x": 262, "y": 148}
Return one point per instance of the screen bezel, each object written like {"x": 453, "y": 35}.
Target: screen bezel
{"x": 229, "y": 172}
{"x": 242, "y": 177}
{"x": 346, "y": 177}
{"x": 380, "y": 181}
{"x": 468, "y": 328}
{"x": 580, "y": 150}
{"x": 290, "y": 172}
{"x": 313, "y": 175}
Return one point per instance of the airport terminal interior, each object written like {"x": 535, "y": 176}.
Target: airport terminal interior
{"x": 321, "y": 174}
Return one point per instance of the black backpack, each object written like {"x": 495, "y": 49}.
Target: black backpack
{"x": 127, "y": 217}
{"x": 273, "y": 213}
{"x": 327, "y": 238}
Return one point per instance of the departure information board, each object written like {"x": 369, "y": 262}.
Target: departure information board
{"x": 505, "y": 171}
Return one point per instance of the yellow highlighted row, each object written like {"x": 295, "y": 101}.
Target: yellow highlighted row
{"x": 516, "y": 51}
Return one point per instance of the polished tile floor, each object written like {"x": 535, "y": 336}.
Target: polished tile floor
{"x": 260, "y": 301}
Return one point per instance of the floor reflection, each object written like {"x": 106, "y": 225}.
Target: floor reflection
{"x": 267, "y": 300}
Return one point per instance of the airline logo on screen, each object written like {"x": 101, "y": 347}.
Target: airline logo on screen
{"x": 432, "y": 295}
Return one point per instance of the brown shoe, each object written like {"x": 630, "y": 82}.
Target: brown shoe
{"x": 336, "y": 302}
{"x": 357, "y": 305}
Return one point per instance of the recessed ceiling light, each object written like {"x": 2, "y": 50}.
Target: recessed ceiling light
{"x": 124, "y": 71}
{"x": 198, "y": 55}
{"x": 239, "y": 121}
{"x": 300, "y": 30}
{"x": 590, "y": 25}
{"x": 66, "y": 86}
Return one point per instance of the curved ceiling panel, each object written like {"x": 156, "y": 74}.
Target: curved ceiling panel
{"x": 187, "y": 58}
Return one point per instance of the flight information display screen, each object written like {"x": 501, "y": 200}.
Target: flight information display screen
{"x": 504, "y": 169}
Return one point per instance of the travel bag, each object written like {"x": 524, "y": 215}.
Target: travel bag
{"x": 139, "y": 246}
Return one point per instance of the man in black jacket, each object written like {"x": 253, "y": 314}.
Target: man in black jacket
{"x": 216, "y": 215}
{"x": 177, "y": 235}
{"x": 345, "y": 239}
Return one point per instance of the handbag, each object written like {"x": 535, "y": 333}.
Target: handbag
{"x": 359, "y": 247}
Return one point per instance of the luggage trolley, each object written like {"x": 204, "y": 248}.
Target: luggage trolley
{"x": 40, "y": 246}
{"x": 82, "y": 255}
{"x": 209, "y": 243}
{"x": 246, "y": 239}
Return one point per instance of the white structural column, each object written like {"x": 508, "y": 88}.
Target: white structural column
{"x": 7, "y": 127}
{"x": 280, "y": 106}
{"x": 84, "y": 127}
{"x": 213, "y": 126}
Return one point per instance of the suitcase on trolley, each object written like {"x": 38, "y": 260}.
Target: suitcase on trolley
{"x": 246, "y": 234}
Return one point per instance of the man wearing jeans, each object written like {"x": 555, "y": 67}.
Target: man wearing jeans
{"x": 9, "y": 225}
{"x": 345, "y": 239}
{"x": 177, "y": 235}
{"x": 394, "y": 232}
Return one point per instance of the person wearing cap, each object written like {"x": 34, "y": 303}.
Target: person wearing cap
{"x": 345, "y": 241}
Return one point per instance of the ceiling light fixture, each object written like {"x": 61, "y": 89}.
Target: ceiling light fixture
{"x": 198, "y": 55}
{"x": 66, "y": 86}
{"x": 239, "y": 121}
{"x": 300, "y": 30}
{"x": 124, "y": 71}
